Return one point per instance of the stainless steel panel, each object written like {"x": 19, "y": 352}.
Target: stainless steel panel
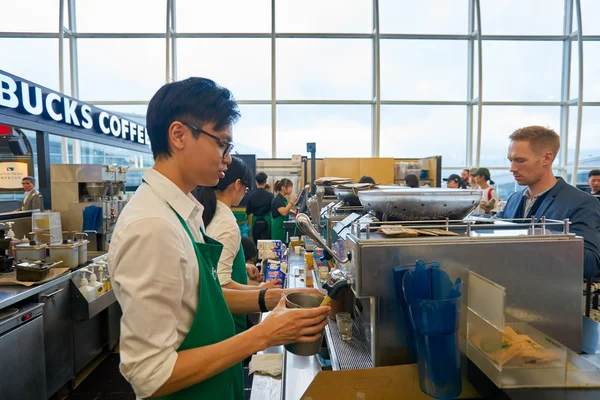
{"x": 64, "y": 194}
{"x": 114, "y": 324}
{"x": 542, "y": 275}
{"x": 80, "y": 173}
{"x": 83, "y": 309}
{"x": 58, "y": 337}
{"x": 89, "y": 338}
{"x": 10, "y": 295}
{"x": 22, "y": 362}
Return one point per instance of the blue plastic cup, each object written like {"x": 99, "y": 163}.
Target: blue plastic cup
{"x": 438, "y": 356}
{"x": 434, "y": 309}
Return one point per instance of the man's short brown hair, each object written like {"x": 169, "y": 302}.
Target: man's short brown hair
{"x": 541, "y": 139}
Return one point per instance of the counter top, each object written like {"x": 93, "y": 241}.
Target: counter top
{"x": 16, "y": 214}
{"x": 13, "y": 294}
{"x": 298, "y": 372}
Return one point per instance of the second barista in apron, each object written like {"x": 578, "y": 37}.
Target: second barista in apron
{"x": 259, "y": 206}
{"x": 222, "y": 226}
{"x": 280, "y": 208}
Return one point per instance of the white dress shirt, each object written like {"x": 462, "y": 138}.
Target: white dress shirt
{"x": 224, "y": 229}
{"x": 154, "y": 273}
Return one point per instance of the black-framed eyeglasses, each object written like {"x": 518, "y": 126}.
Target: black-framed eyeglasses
{"x": 228, "y": 145}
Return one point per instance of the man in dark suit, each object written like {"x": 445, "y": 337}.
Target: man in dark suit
{"x": 594, "y": 182}
{"x": 33, "y": 198}
{"x": 531, "y": 152}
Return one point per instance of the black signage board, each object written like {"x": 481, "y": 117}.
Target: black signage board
{"x": 27, "y": 105}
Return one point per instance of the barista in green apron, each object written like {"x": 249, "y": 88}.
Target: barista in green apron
{"x": 213, "y": 323}
{"x": 259, "y": 206}
{"x": 221, "y": 225}
{"x": 178, "y": 337}
{"x": 280, "y": 209}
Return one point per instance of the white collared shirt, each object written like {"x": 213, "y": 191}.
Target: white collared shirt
{"x": 224, "y": 229}
{"x": 154, "y": 273}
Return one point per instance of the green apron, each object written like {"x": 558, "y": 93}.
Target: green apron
{"x": 267, "y": 218}
{"x": 239, "y": 275}
{"x": 277, "y": 229}
{"x": 212, "y": 324}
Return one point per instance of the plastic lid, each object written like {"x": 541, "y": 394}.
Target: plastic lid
{"x": 30, "y": 246}
{"x": 63, "y": 246}
{"x": 93, "y": 279}
{"x": 84, "y": 281}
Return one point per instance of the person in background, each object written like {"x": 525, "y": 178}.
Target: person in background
{"x": 367, "y": 179}
{"x": 465, "y": 177}
{"x": 259, "y": 206}
{"x": 221, "y": 225}
{"x": 280, "y": 208}
{"x": 472, "y": 182}
{"x": 268, "y": 188}
{"x": 594, "y": 182}
{"x": 178, "y": 338}
{"x": 411, "y": 181}
{"x": 32, "y": 199}
{"x": 531, "y": 152}
{"x": 454, "y": 182}
{"x": 251, "y": 254}
{"x": 489, "y": 199}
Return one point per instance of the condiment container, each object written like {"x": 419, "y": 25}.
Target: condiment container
{"x": 31, "y": 251}
{"x": 68, "y": 253}
{"x": 31, "y": 272}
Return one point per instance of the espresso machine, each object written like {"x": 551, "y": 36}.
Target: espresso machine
{"x": 539, "y": 264}
{"x": 77, "y": 187}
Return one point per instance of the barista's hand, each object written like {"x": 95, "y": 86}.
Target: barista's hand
{"x": 272, "y": 284}
{"x": 273, "y": 296}
{"x": 293, "y": 198}
{"x": 290, "y": 325}
{"x": 253, "y": 272}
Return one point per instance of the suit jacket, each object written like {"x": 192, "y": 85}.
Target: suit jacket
{"x": 566, "y": 201}
{"x": 33, "y": 202}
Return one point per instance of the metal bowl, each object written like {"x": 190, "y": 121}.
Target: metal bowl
{"x": 348, "y": 193}
{"x": 421, "y": 203}
{"x": 303, "y": 300}
{"x": 95, "y": 189}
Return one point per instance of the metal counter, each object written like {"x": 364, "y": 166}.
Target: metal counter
{"x": 13, "y": 294}
{"x": 298, "y": 372}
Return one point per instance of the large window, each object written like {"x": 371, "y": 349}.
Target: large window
{"x": 423, "y": 131}
{"x": 338, "y": 131}
{"x": 315, "y": 71}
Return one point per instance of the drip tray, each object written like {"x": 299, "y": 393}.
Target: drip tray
{"x": 354, "y": 354}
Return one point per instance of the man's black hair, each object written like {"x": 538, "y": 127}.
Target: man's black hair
{"x": 207, "y": 196}
{"x": 594, "y": 172}
{"x": 261, "y": 178}
{"x": 197, "y": 101}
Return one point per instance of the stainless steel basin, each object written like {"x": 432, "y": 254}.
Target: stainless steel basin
{"x": 421, "y": 203}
